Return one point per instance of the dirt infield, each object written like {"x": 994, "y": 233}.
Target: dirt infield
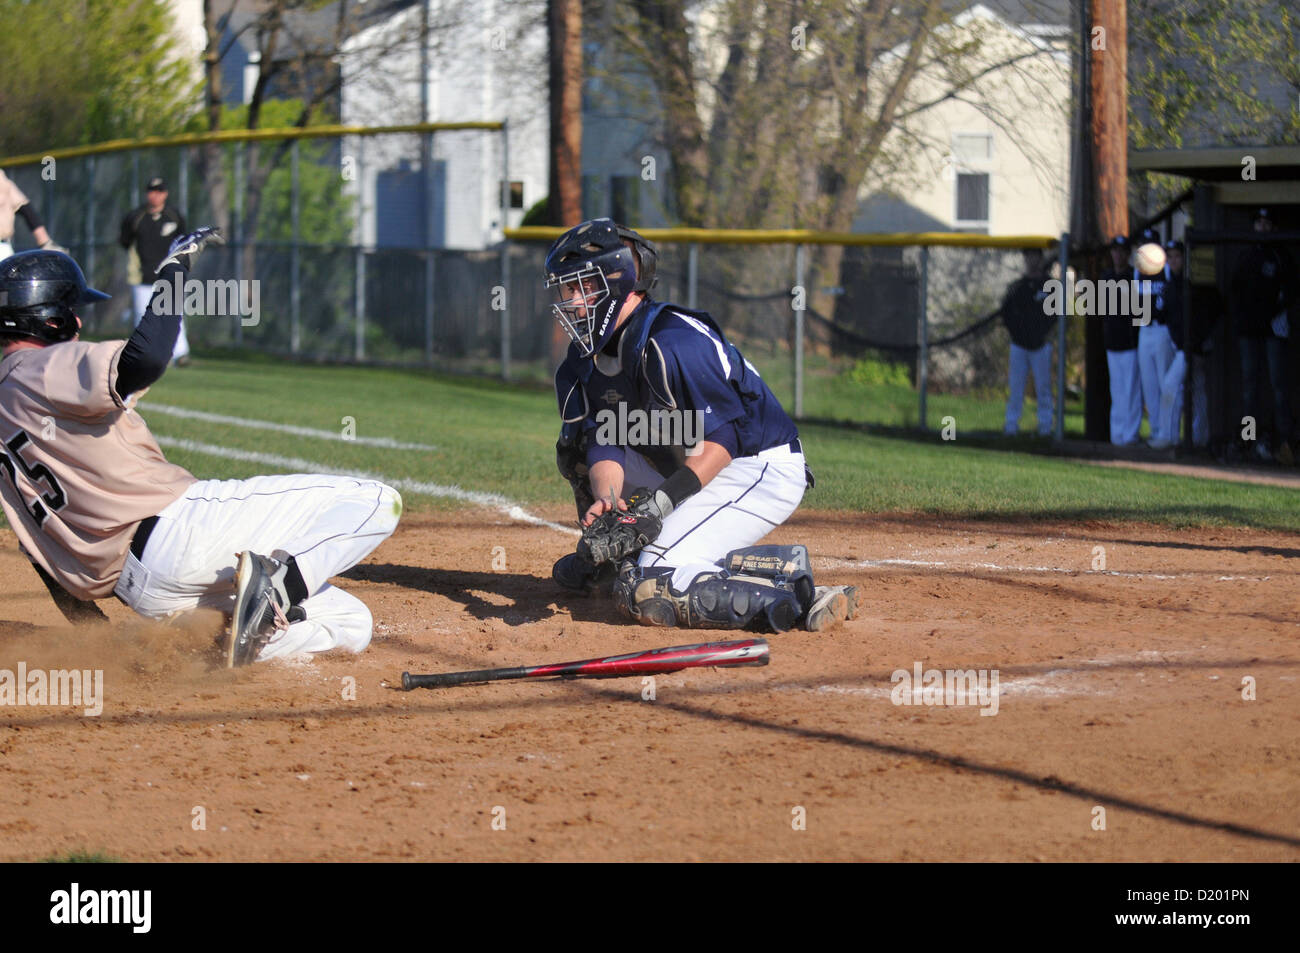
{"x": 1120, "y": 689}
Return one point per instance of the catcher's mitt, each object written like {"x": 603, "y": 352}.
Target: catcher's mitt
{"x": 620, "y": 533}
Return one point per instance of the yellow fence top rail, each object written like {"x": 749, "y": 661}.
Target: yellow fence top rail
{"x": 801, "y": 236}
{"x": 242, "y": 135}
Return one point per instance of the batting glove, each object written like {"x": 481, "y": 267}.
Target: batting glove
{"x": 185, "y": 250}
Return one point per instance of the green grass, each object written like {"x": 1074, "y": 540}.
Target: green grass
{"x": 831, "y": 393}
{"x": 500, "y": 439}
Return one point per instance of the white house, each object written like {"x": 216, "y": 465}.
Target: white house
{"x": 995, "y": 158}
{"x": 486, "y": 62}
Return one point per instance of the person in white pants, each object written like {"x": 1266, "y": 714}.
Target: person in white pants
{"x": 1171, "y": 387}
{"x": 1171, "y": 402}
{"x": 1029, "y": 325}
{"x": 100, "y": 511}
{"x": 1125, "y": 396}
{"x": 327, "y": 524}
{"x": 680, "y": 456}
{"x": 1155, "y": 354}
{"x": 1155, "y": 346}
{"x": 149, "y": 230}
{"x": 1121, "y": 339}
{"x": 740, "y": 506}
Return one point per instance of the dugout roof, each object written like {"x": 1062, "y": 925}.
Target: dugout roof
{"x": 1276, "y": 170}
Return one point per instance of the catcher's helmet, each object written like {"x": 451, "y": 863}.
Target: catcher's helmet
{"x": 39, "y": 291}
{"x": 595, "y": 272}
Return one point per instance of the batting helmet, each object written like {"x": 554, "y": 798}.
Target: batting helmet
{"x": 595, "y": 271}
{"x": 39, "y": 291}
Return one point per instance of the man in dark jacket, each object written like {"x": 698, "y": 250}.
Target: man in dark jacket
{"x": 1029, "y": 324}
{"x": 1263, "y": 290}
{"x": 152, "y": 228}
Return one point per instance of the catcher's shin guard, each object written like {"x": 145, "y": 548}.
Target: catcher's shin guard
{"x": 789, "y": 566}
{"x": 711, "y": 601}
{"x": 786, "y": 566}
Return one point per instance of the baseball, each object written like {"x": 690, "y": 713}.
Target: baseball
{"x": 1150, "y": 259}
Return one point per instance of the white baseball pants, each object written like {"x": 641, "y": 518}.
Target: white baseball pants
{"x": 1023, "y": 363}
{"x": 1171, "y": 401}
{"x": 140, "y": 298}
{"x": 1155, "y": 353}
{"x": 738, "y": 507}
{"x": 327, "y": 523}
{"x": 1125, "y": 397}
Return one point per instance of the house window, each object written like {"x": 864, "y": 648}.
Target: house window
{"x": 972, "y": 154}
{"x": 973, "y": 199}
{"x": 516, "y": 193}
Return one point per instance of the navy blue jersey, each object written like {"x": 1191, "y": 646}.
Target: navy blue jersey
{"x": 1156, "y": 289}
{"x": 1118, "y": 330}
{"x": 685, "y": 382}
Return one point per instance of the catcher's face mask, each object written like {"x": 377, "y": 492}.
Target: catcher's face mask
{"x": 587, "y": 309}
{"x": 594, "y": 268}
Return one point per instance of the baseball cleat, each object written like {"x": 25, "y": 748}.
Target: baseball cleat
{"x": 831, "y": 604}
{"x": 262, "y": 607}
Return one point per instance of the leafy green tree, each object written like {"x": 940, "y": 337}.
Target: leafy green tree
{"x": 1210, "y": 73}
{"x": 83, "y": 71}
{"x": 325, "y": 210}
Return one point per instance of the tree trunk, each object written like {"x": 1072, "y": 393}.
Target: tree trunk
{"x": 564, "y": 19}
{"x": 211, "y": 167}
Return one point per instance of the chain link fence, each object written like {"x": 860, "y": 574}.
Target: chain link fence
{"x": 349, "y": 263}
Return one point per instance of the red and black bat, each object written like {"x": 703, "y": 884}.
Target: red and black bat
{"x": 649, "y": 662}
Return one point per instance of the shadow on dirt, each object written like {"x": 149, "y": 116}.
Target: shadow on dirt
{"x": 514, "y": 598}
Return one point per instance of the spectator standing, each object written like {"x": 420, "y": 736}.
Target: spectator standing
{"x": 1263, "y": 290}
{"x": 1189, "y": 354}
{"x": 1121, "y": 338}
{"x": 1155, "y": 346}
{"x": 150, "y": 229}
{"x": 1027, "y": 321}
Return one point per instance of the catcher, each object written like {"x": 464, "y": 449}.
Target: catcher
{"x": 680, "y": 457}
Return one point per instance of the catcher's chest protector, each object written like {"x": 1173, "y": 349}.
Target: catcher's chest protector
{"x": 585, "y": 387}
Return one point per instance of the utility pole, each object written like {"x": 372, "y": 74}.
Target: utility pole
{"x": 1106, "y": 35}
{"x": 564, "y": 37}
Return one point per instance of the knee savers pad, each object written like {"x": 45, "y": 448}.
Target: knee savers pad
{"x": 786, "y": 566}
{"x": 711, "y": 601}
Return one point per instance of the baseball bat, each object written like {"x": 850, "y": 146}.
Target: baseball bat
{"x": 650, "y": 662}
